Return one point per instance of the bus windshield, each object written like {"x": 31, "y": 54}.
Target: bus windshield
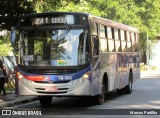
{"x": 57, "y": 47}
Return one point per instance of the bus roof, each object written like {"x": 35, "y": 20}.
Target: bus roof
{"x": 97, "y": 19}
{"x": 114, "y": 24}
{"x": 51, "y": 13}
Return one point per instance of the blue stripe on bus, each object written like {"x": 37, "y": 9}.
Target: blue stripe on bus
{"x": 61, "y": 77}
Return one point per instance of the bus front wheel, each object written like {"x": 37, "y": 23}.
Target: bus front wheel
{"x": 45, "y": 100}
{"x": 100, "y": 98}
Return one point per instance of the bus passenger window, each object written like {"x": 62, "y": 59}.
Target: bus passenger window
{"x": 109, "y": 33}
{"x": 116, "y": 34}
{"x": 122, "y": 35}
{"x": 129, "y": 46}
{"x": 103, "y": 44}
{"x": 133, "y": 37}
{"x": 128, "y": 36}
{"x": 94, "y": 28}
{"x": 118, "y": 46}
{"x": 124, "y": 46}
{"x": 111, "y": 45}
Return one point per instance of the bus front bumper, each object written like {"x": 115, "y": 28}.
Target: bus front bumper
{"x": 73, "y": 88}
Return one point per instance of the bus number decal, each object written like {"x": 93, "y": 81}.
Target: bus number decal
{"x": 61, "y": 78}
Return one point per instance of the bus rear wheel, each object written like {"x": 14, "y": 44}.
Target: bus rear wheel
{"x": 45, "y": 100}
{"x": 100, "y": 98}
{"x": 128, "y": 88}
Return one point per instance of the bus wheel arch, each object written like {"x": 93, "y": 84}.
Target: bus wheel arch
{"x": 100, "y": 98}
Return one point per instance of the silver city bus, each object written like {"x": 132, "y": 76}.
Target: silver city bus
{"x": 74, "y": 54}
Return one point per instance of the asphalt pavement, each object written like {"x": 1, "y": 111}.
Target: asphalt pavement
{"x": 10, "y": 99}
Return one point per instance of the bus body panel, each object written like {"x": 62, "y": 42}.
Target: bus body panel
{"x": 118, "y": 70}
{"x": 96, "y": 78}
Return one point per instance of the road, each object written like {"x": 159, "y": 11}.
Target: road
{"x": 145, "y": 95}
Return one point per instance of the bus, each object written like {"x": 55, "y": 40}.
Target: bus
{"x": 74, "y": 54}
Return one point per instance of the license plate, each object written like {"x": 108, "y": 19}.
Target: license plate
{"x": 51, "y": 89}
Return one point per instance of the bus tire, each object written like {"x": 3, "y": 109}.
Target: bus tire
{"x": 100, "y": 98}
{"x": 45, "y": 100}
{"x": 128, "y": 88}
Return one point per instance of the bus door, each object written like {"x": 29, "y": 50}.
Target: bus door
{"x": 95, "y": 64}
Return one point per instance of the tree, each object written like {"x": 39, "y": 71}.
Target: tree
{"x": 87, "y": 6}
{"x": 5, "y": 46}
{"x": 11, "y": 11}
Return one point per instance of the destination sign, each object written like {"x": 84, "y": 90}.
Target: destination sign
{"x": 41, "y": 21}
{"x": 53, "y": 20}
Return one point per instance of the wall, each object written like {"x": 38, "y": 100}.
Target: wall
{"x": 153, "y": 53}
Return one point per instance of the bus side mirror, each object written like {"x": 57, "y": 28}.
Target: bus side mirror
{"x": 13, "y": 37}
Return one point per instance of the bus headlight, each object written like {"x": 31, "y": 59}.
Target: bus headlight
{"x": 23, "y": 79}
{"x": 19, "y": 76}
{"x": 86, "y": 75}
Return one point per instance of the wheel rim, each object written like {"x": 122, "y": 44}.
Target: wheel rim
{"x": 130, "y": 82}
{"x": 102, "y": 96}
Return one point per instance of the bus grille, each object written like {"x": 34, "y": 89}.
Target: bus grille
{"x": 51, "y": 92}
{"x": 59, "y": 91}
{"x": 47, "y": 71}
{"x": 58, "y": 82}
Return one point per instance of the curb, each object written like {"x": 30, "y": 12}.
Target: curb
{"x": 13, "y": 102}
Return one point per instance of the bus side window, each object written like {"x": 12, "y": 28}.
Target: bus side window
{"x": 136, "y": 46}
{"x": 94, "y": 28}
{"x": 111, "y": 45}
{"x": 103, "y": 39}
{"x": 95, "y": 39}
{"x": 128, "y": 39}
{"x": 122, "y": 36}
{"x": 96, "y": 45}
{"x": 117, "y": 40}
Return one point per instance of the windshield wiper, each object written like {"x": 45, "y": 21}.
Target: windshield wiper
{"x": 84, "y": 45}
{"x": 62, "y": 36}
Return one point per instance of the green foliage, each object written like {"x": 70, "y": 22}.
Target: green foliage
{"x": 11, "y": 10}
{"x": 5, "y": 46}
{"x": 68, "y": 5}
{"x": 143, "y": 14}
{"x": 143, "y": 41}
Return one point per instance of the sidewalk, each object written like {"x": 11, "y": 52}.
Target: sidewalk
{"x": 10, "y": 99}
{"x": 149, "y": 72}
